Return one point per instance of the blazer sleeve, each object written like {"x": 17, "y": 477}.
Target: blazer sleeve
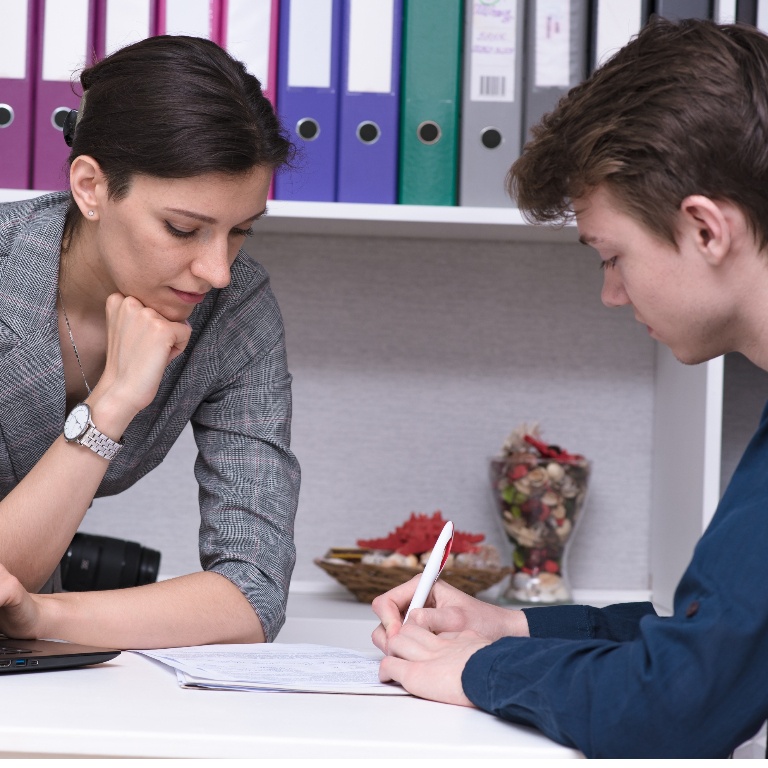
{"x": 248, "y": 477}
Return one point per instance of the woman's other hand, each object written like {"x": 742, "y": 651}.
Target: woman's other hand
{"x": 140, "y": 345}
{"x": 20, "y": 613}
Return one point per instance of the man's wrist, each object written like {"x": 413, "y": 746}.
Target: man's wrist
{"x": 516, "y": 624}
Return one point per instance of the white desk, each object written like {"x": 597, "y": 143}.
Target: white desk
{"x": 133, "y": 707}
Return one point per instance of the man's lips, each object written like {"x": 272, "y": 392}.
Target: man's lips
{"x": 189, "y": 298}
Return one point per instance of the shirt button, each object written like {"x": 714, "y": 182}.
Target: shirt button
{"x": 692, "y": 609}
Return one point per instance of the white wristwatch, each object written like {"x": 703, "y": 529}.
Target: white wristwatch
{"x": 78, "y": 428}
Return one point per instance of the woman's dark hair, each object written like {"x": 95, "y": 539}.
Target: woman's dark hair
{"x": 174, "y": 107}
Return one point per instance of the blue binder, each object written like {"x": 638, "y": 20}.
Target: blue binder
{"x": 369, "y": 101}
{"x": 308, "y": 95}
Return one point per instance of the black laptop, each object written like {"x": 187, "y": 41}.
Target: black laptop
{"x": 38, "y": 655}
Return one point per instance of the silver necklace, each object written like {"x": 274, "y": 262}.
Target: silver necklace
{"x": 72, "y": 340}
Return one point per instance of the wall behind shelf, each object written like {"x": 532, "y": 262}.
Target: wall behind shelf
{"x": 412, "y": 361}
{"x": 745, "y": 391}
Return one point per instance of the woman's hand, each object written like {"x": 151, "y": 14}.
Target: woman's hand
{"x": 140, "y": 344}
{"x": 19, "y": 611}
{"x": 428, "y": 665}
{"x": 447, "y": 610}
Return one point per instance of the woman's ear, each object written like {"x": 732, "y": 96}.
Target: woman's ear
{"x": 88, "y": 186}
{"x": 711, "y": 225}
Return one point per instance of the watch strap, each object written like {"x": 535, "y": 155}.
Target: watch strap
{"x": 100, "y": 443}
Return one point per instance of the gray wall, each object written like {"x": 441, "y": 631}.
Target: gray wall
{"x": 412, "y": 361}
{"x": 745, "y": 390}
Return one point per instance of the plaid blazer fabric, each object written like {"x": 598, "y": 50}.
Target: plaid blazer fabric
{"x": 231, "y": 382}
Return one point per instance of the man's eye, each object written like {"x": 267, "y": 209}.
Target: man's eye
{"x": 609, "y": 263}
{"x": 178, "y": 232}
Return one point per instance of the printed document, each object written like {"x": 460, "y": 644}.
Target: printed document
{"x": 297, "y": 667}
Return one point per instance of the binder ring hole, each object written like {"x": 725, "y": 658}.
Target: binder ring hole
{"x": 6, "y": 115}
{"x": 490, "y": 138}
{"x": 59, "y": 117}
{"x": 428, "y": 132}
{"x": 308, "y": 129}
{"x": 368, "y": 132}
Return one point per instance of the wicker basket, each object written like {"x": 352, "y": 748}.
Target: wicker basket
{"x": 366, "y": 581}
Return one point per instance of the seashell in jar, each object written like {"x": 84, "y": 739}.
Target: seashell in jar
{"x": 523, "y": 485}
{"x": 564, "y": 531}
{"x": 556, "y": 472}
{"x": 550, "y": 498}
{"x": 569, "y": 488}
{"x": 522, "y": 534}
{"x": 538, "y": 477}
{"x": 551, "y": 588}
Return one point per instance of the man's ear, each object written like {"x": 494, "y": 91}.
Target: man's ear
{"x": 710, "y": 225}
{"x": 88, "y": 186}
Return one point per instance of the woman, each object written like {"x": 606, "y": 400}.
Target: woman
{"x": 128, "y": 304}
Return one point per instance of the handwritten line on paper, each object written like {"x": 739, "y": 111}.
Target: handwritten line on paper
{"x": 297, "y": 667}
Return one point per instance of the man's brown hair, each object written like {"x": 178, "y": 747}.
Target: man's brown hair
{"x": 682, "y": 109}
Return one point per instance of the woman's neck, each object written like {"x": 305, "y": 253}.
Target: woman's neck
{"x": 82, "y": 284}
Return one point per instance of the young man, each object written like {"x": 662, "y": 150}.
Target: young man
{"x": 662, "y": 157}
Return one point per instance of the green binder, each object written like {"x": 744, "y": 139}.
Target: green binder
{"x": 429, "y": 114}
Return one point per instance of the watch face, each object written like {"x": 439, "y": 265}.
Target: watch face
{"x": 77, "y": 421}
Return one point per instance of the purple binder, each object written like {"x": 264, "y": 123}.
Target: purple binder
{"x": 16, "y": 93}
{"x": 369, "y": 103}
{"x": 307, "y": 96}
{"x": 65, "y": 35}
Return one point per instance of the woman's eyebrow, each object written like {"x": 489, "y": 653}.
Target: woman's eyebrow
{"x": 209, "y": 219}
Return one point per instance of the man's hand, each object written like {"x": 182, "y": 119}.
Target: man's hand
{"x": 428, "y": 665}
{"x": 447, "y": 610}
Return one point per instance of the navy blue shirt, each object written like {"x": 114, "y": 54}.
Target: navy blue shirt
{"x": 622, "y": 681}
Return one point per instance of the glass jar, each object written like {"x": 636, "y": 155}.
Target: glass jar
{"x": 540, "y": 501}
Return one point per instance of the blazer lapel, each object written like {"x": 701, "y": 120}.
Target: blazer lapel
{"x": 32, "y": 391}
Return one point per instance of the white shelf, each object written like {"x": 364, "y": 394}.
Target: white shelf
{"x": 367, "y": 220}
{"x": 432, "y": 221}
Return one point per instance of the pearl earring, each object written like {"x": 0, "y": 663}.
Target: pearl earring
{"x": 90, "y": 213}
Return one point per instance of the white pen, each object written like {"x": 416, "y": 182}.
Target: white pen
{"x": 432, "y": 569}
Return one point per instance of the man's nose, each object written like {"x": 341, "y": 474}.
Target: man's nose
{"x": 613, "y": 293}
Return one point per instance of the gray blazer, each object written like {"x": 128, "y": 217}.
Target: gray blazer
{"x": 231, "y": 383}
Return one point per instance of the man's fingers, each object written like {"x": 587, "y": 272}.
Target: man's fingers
{"x": 392, "y": 668}
{"x": 438, "y": 620}
{"x": 413, "y": 643}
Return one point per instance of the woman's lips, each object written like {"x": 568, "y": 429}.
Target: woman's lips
{"x": 189, "y": 298}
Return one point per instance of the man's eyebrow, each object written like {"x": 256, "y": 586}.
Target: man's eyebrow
{"x": 209, "y": 219}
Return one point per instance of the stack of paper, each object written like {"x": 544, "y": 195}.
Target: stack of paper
{"x": 302, "y": 667}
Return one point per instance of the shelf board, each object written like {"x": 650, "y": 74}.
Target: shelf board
{"x": 412, "y": 221}
{"x": 424, "y": 221}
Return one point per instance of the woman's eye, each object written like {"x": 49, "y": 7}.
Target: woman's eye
{"x": 242, "y": 232}
{"x": 178, "y": 232}
{"x": 609, "y": 263}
